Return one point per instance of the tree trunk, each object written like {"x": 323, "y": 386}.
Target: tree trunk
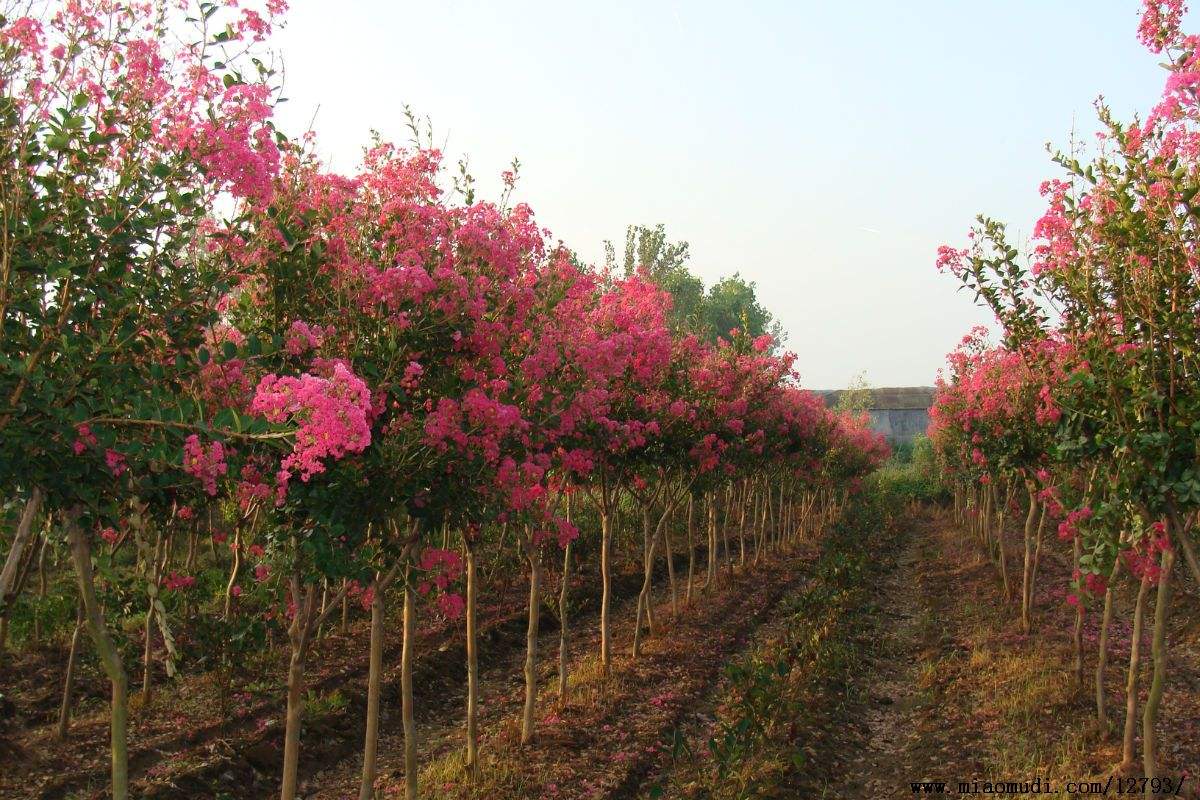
{"x": 726, "y": 561}
{"x": 109, "y": 658}
{"x": 366, "y": 787}
{"x": 1077, "y": 636}
{"x": 16, "y": 553}
{"x": 41, "y": 593}
{"x": 1027, "y": 570}
{"x": 64, "y": 709}
{"x": 691, "y": 534}
{"x": 666, "y": 540}
{"x": 531, "y": 637}
{"x": 742, "y": 524}
{"x": 406, "y": 692}
{"x": 563, "y": 599}
{"x": 189, "y": 562}
{"x": 606, "y": 586}
{"x": 643, "y": 601}
{"x": 155, "y": 575}
{"x": 1158, "y": 647}
{"x": 712, "y": 541}
{"x": 472, "y": 665}
{"x": 1002, "y": 553}
{"x": 1102, "y": 649}
{"x": 1037, "y": 557}
{"x": 298, "y": 637}
{"x": 233, "y": 572}
{"x": 1131, "y": 683}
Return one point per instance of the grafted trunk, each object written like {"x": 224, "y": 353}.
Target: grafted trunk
{"x": 643, "y": 601}
{"x": 1027, "y": 570}
{"x": 531, "y": 637}
{"x": 563, "y": 600}
{"x": 110, "y": 658}
{"x": 1002, "y": 554}
{"x": 606, "y": 587}
{"x": 157, "y": 565}
{"x": 406, "y": 691}
{"x": 742, "y": 523}
{"x": 1077, "y": 636}
{"x": 691, "y": 535}
{"x": 1131, "y": 682}
{"x": 298, "y": 640}
{"x": 1037, "y": 556}
{"x": 301, "y": 631}
{"x": 666, "y": 540}
{"x": 366, "y": 787}
{"x": 648, "y": 550}
{"x": 712, "y": 542}
{"x": 234, "y": 569}
{"x": 1158, "y": 648}
{"x": 725, "y": 531}
{"x": 1102, "y": 649}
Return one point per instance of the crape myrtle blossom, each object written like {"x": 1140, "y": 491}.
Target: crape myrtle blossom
{"x": 332, "y": 418}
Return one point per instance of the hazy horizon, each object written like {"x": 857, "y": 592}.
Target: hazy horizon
{"x": 823, "y": 153}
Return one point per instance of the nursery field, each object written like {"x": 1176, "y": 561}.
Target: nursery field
{"x": 323, "y": 483}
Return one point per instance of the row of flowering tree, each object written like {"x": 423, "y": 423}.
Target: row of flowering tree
{"x": 1086, "y": 414}
{"x": 359, "y": 378}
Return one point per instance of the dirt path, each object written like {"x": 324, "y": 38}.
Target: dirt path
{"x": 907, "y": 730}
{"x": 952, "y": 690}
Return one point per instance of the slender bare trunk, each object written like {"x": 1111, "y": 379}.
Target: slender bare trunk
{"x": 345, "y": 626}
{"x": 1102, "y": 649}
{"x": 157, "y": 561}
{"x": 1158, "y": 648}
{"x": 1037, "y": 557}
{"x": 64, "y": 709}
{"x": 1077, "y": 636}
{"x": 366, "y": 787}
{"x": 472, "y": 764}
{"x": 666, "y": 540}
{"x": 712, "y": 541}
{"x": 233, "y": 572}
{"x": 1027, "y": 570}
{"x": 1001, "y": 551}
{"x": 725, "y": 531}
{"x": 691, "y": 534}
{"x": 563, "y": 600}
{"x": 298, "y": 637}
{"x": 606, "y": 584}
{"x": 531, "y": 637}
{"x": 110, "y": 658}
{"x": 643, "y": 602}
{"x": 41, "y": 593}
{"x": 1131, "y": 682}
{"x": 406, "y": 691}
{"x": 742, "y": 523}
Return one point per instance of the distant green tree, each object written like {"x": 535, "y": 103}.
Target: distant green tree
{"x": 730, "y": 303}
{"x": 857, "y": 397}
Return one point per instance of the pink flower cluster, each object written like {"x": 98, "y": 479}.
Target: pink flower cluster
{"x": 332, "y": 418}
{"x": 176, "y": 582}
{"x": 301, "y": 337}
{"x": 206, "y": 464}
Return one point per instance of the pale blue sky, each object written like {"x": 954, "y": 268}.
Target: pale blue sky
{"x": 824, "y": 150}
